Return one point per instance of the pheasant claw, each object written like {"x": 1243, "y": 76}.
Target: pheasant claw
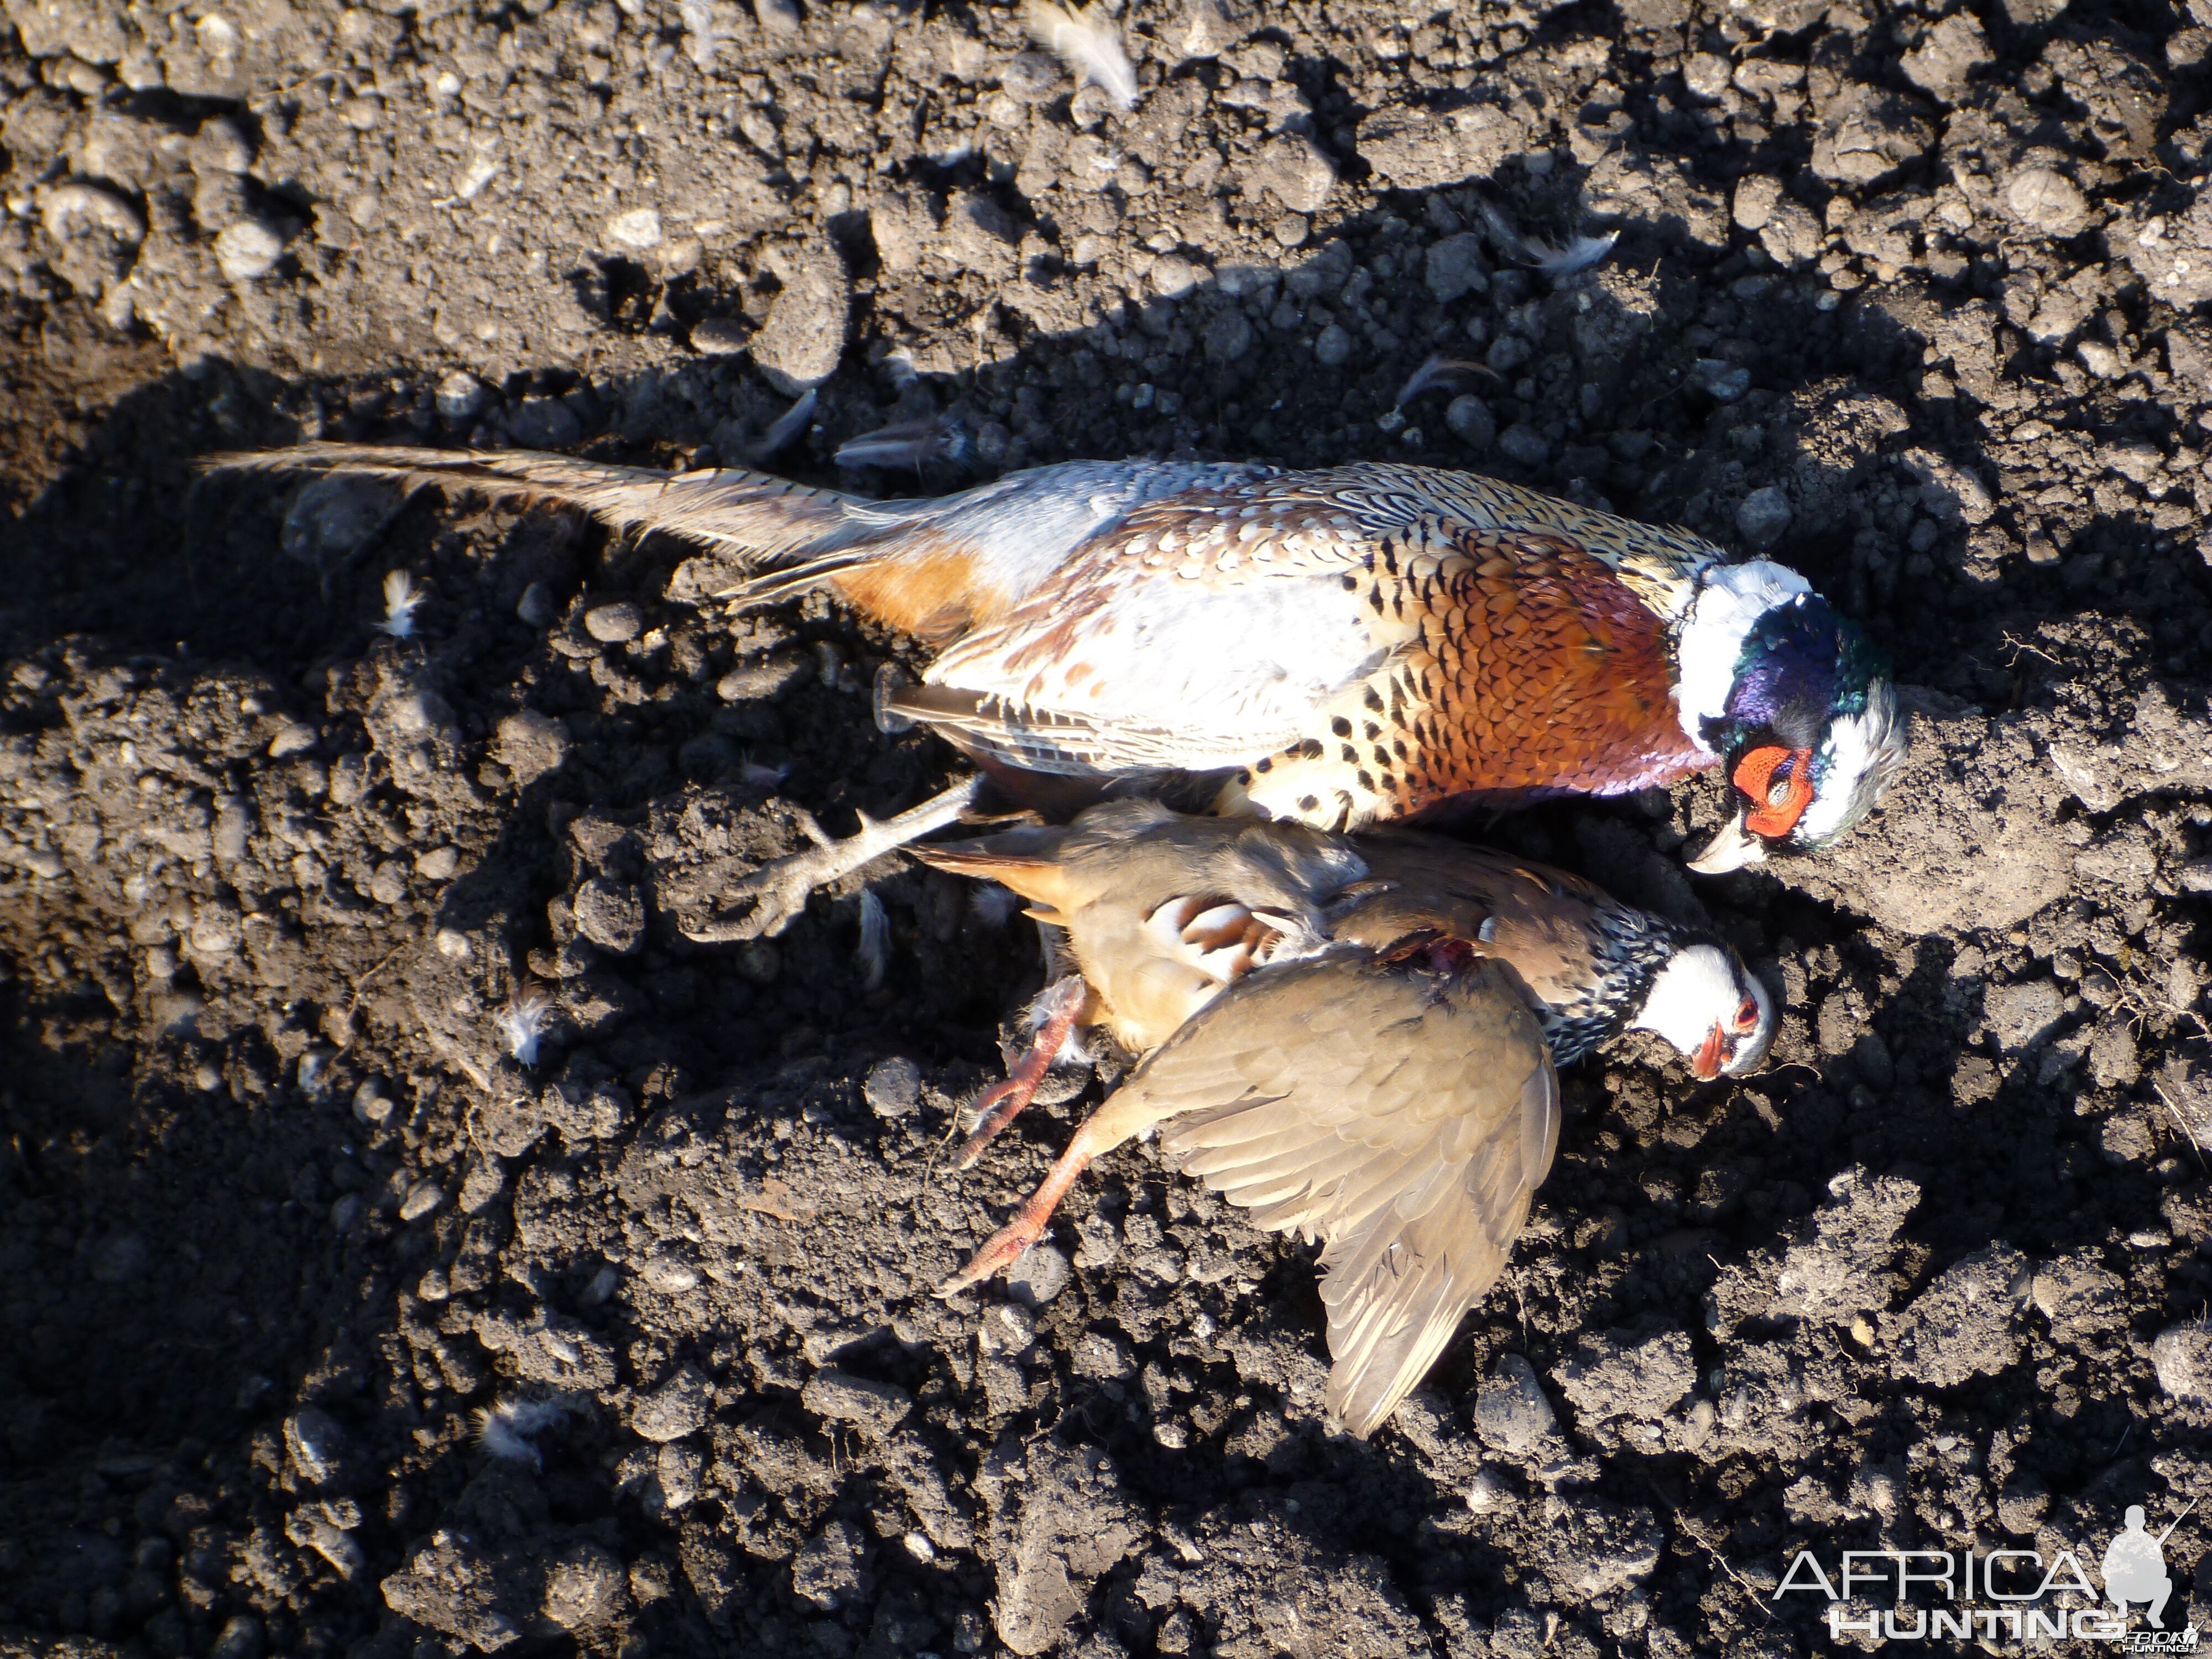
{"x": 778, "y": 889}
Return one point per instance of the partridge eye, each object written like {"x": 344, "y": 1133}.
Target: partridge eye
{"x": 1747, "y": 1014}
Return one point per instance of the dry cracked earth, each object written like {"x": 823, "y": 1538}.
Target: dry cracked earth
{"x": 327, "y": 1328}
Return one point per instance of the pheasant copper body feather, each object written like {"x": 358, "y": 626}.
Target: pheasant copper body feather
{"x": 1337, "y": 647}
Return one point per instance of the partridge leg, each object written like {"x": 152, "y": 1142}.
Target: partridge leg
{"x": 1100, "y": 1134}
{"x": 1002, "y": 1102}
{"x": 778, "y": 888}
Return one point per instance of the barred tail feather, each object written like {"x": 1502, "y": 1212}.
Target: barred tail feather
{"x": 755, "y": 518}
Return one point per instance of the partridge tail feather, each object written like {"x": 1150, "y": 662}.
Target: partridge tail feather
{"x": 759, "y": 520}
{"x": 1036, "y": 873}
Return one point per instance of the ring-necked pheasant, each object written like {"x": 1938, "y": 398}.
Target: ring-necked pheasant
{"x": 1316, "y": 1032}
{"x": 1336, "y": 647}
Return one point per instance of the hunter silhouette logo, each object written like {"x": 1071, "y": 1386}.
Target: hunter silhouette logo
{"x": 2002, "y": 1595}
{"x": 2135, "y": 1567}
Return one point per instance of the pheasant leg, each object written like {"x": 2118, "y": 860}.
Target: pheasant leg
{"x": 1002, "y": 1102}
{"x": 778, "y": 888}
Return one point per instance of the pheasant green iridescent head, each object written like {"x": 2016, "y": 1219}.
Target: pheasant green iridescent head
{"x": 1794, "y": 702}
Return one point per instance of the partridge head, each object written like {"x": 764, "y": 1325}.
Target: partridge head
{"x": 1338, "y": 647}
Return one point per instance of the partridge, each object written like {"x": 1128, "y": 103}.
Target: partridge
{"x": 1337, "y": 647}
{"x": 1352, "y": 1036}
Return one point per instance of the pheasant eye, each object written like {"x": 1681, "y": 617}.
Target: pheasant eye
{"x": 1778, "y": 786}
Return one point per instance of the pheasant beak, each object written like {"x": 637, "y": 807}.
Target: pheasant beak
{"x": 1731, "y": 848}
{"x": 1707, "y": 1066}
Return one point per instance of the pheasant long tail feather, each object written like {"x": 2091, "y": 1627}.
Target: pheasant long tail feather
{"x": 759, "y": 520}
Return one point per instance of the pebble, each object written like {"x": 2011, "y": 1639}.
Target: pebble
{"x": 893, "y": 1087}
{"x": 460, "y": 396}
{"x": 220, "y": 146}
{"x": 676, "y": 1408}
{"x": 804, "y": 337}
{"x": 248, "y": 250}
{"x": 422, "y": 1197}
{"x": 1471, "y": 421}
{"x": 535, "y": 605}
{"x": 2045, "y": 198}
{"x": 1332, "y": 347}
{"x": 614, "y": 623}
{"x": 529, "y": 744}
{"x": 1723, "y": 382}
{"x": 679, "y": 1467}
{"x": 438, "y": 864}
{"x": 315, "y": 1443}
{"x": 841, "y": 1397}
{"x": 1764, "y": 514}
{"x": 1294, "y": 169}
{"x": 121, "y": 1258}
{"x": 1511, "y": 1411}
{"x": 1042, "y": 1273}
{"x": 719, "y": 336}
{"x": 670, "y": 1274}
{"x": 1524, "y": 444}
{"x": 634, "y": 231}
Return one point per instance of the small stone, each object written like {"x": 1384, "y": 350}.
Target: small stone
{"x": 1471, "y": 421}
{"x": 1723, "y": 382}
{"x": 535, "y": 605}
{"x": 878, "y": 1407}
{"x": 248, "y": 250}
{"x": 1291, "y": 230}
{"x": 460, "y": 396}
{"x": 1756, "y": 195}
{"x": 1296, "y": 170}
{"x": 1511, "y": 1411}
{"x": 2047, "y": 200}
{"x": 220, "y": 146}
{"x": 614, "y": 623}
{"x": 240, "y": 1638}
{"x": 422, "y": 1197}
{"x": 315, "y": 1443}
{"x": 799, "y": 344}
{"x": 1524, "y": 444}
{"x": 1041, "y": 1274}
{"x": 670, "y": 1274}
{"x": 758, "y": 962}
{"x": 1453, "y": 266}
{"x": 1764, "y": 514}
{"x": 719, "y": 336}
{"x": 1332, "y": 347}
{"x": 543, "y": 423}
{"x": 893, "y": 1087}
{"x": 679, "y": 1467}
{"x": 1033, "y": 77}
{"x": 529, "y": 744}
{"x": 293, "y": 738}
{"x": 634, "y": 231}
{"x": 438, "y": 864}
{"x": 676, "y": 1408}
{"x": 611, "y": 914}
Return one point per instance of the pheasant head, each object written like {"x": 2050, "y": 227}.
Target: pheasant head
{"x": 1796, "y": 704}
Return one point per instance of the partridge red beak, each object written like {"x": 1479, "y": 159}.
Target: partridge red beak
{"x": 1707, "y": 1066}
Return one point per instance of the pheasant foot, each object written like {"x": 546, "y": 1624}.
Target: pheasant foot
{"x": 778, "y": 889}
{"x": 1002, "y": 1102}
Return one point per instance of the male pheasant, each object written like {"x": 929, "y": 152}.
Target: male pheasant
{"x": 1315, "y": 1036}
{"x": 1336, "y": 648}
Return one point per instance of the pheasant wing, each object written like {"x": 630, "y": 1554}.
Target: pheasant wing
{"x": 1404, "y": 1118}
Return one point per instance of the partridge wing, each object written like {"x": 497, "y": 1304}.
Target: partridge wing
{"x": 1403, "y": 1119}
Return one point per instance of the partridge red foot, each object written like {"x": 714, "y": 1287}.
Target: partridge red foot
{"x": 1337, "y": 647}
